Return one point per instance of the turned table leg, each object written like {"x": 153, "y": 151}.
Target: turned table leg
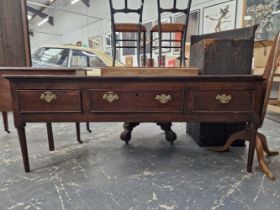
{"x": 23, "y": 146}
{"x": 5, "y": 121}
{"x": 170, "y": 135}
{"x": 128, "y": 127}
{"x": 78, "y": 130}
{"x": 50, "y": 136}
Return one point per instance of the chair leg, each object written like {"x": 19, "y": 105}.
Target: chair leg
{"x": 88, "y": 127}
{"x": 181, "y": 55}
{"x": 151, "y": 45}
{"x": 114, "y": 46}
{"x": 260, "y": 147}
{"x": 5, "y": 121}
{"x": 50, "y": 136}
{"x": 138, "y": 48}
{"x": 144, "y": 49}
{"x": 78, "y": 130}
{"x": 183, "y": 49}
{"x": 160, "y": 50}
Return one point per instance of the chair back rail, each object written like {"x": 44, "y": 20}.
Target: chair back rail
{"x": 126, "y": 10}
{"x": 174, "y": 10}
{"x": 123, "y": 29}
{"x": 270, "y": 68}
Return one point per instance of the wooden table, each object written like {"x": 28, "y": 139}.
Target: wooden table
{"x": 136, "y": 99}
{"x": 5, "y": 95}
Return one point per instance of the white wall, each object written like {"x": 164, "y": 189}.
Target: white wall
{"x": 70, "y": 28}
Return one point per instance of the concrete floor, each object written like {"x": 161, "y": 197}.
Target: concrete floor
{"x": 148, "y": 174}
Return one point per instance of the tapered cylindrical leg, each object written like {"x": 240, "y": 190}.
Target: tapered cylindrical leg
{"x": 78, "y": 130}
{"x": 88, "y": 127}
{"x": 5, "y": 121}
{"x": 23, "y": 146}
{"x": 50, "y": 136}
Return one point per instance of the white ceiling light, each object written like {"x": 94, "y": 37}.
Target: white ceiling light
{"x": 74, "y": 1}
{"x": 43, "y": 21}
{"x": 29, "y": 17}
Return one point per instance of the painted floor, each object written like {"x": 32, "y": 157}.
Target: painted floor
{"x": 149, "y": 174}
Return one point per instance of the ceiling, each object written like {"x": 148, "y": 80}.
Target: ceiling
{"x": 39, "y": 10}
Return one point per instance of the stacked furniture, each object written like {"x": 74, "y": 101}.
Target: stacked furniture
{"x": 224, "y": 53}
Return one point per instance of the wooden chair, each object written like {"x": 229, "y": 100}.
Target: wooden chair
{"x": 136, "y": 28}
{"x": 250, "y": 133}
{"x": 161, "y": 28}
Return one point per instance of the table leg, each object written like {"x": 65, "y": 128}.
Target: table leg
{"x": 5, "y": 121}
{"x": 88, "y": 128}
{"x": 78, "y": 130}
{"x": 252, "y": 145}
{"x": 23, "y": 146}
{"x": 50, "y": 136}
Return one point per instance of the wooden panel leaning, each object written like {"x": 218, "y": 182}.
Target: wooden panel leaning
{"x": 250, "y": 132}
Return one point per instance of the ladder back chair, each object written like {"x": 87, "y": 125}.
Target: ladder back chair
{"x": 128, "y": 28}
{"x": 170, "y": 28}
{"x": 247, "y": 134}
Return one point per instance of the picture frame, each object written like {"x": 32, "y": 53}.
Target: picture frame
{"x": 266, "y": 14}
{"x": 193, "y": 27}
{"x": 220, "y": 17}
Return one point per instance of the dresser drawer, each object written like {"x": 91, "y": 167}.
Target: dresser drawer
{"x": 223, "y": 100}
{"x": 136, "y": 101}
{"x": 49, "y": 101}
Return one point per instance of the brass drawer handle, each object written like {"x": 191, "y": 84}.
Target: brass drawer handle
{"x": 110, "y": 97}
{"x": 48, "y": 96}
{"x": 224, "y": 99}
{"x": 163, "y": 98}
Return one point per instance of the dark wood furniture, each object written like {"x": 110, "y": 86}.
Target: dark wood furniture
{"x": 120, "y": 71}
{"x": 224, "y": 53}
{"x": 249, "y": 131}
{"x": 136, "y": 28}
{"x": 5, "y": 95}
{"x": 137, "y": 99}
{"x": 173, "y": 28}
{"x": 14, "y": 41}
